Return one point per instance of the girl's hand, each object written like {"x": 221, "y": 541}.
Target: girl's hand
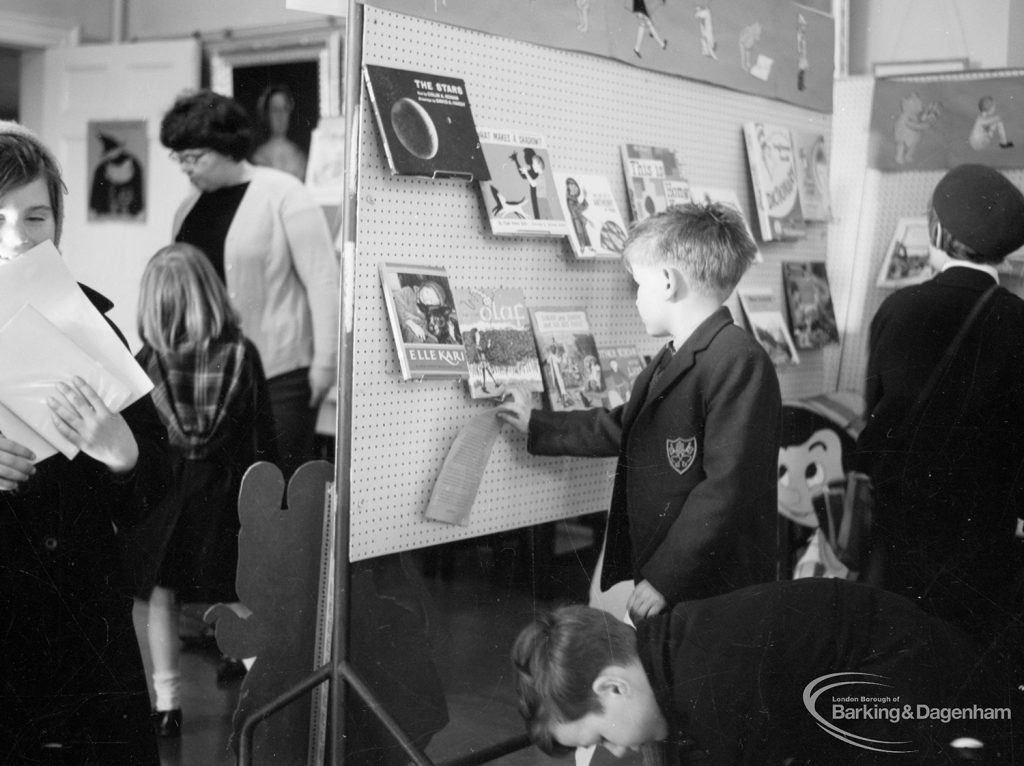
{"x": 15, "y": 464}
{"x": 84, "y": 420}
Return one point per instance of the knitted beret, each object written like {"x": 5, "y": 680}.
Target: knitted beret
{"x": 982, "y": 209}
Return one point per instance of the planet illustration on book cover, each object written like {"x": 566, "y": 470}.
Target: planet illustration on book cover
{"x": 414, "y": 128}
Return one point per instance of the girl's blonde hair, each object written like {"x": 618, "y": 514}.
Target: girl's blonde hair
{"x": 183, "y": 304}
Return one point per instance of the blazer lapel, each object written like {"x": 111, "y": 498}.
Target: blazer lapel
{"x": 686, "y": 356}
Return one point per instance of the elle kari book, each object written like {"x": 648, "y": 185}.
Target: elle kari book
{"x": 499, "y": 343}
{"x": 569, "y": 358}
{"x": 425, "y": 123}
{"x": 812, "y": 164}
{"x": 521, "y": 195}
{"x": 596, "y": 229}
{"x": 812, "y": 317}
{"x": 654, "y": 179}
{"x": 424, "y": 321}
{"x": 775, "y": 178}
{"x": 768, "y": 325}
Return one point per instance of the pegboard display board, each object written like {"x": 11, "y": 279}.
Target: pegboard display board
{"x": 586, "y": 107}
{"x": 869, "y": 203}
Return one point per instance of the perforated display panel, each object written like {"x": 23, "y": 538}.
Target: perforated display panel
{"x": 869, "y": 204}
{"x": 586, "y": 107}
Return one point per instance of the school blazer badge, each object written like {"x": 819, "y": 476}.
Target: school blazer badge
{"x": 681, "y": 453}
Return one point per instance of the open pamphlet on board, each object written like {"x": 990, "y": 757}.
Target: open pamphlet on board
{"x": 52, "y": 329}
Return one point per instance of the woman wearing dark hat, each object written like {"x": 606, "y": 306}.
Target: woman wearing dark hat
{"x": 950, "y": 486}
{"x": 72, "y": 685}
{"x": 269, "y": 241}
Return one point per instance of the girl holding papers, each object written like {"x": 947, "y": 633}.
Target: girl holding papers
{"x": 72, "y": 685}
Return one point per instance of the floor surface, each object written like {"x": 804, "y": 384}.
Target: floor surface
{"x": 484, "y": 592}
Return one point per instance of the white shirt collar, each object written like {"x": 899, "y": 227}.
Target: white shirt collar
{"x": 990, "y": 270}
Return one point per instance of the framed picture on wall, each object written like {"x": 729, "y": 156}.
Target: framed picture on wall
{"x": 907, "y": 259}
{"x": 117, "y": 156}
{"x": 305, "y": 63}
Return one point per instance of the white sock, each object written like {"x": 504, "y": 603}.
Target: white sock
{"x": 167, "y": 687}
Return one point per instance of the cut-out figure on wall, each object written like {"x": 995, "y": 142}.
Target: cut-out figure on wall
{"x": 117, "y": 182}
{"x": 802, "y": 63}
{"x": 583, "y": 15}
{"x": 913, "y": 120}
{"x": 708, "y": 46}
{"x": 750, "y": 35}
{"x": 988, "y": 127}
{"x": 645, "y": 26}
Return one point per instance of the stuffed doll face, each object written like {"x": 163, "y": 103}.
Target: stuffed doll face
{"x": 805, "y": 469}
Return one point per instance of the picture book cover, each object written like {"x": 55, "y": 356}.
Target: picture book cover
{"x": 654, "y": 179}
{"x": 908, "y": 258}
{"x": 728, "y": 197}
{"x": 768, "y": 325}
{"x": 424, "y": 321}
{"x": 621, "y": 365}
{"x": 812, "y": 164}
{"x": 569, "y": 358}
{"x": 812, "y": 318}
{"x": 498, "y": 338}
{"x": 520, "y": 195}
{"x": 774, "y": 176}
{"x": 425, "y": 123}
{"x": 596, "y": 227}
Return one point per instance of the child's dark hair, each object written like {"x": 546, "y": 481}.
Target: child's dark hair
{"x": 557, "y": 658}
{"x": 708, "y": 243}
{"x": 207, "y": 120}
{"x": 23, "y": 159}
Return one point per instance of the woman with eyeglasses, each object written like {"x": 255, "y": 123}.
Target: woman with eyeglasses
{"x": 268, "y": 239}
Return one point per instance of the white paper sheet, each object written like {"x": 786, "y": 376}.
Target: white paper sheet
{"x": 40, "y": 278}
{"x": 456, "y": 485}
{"x": 45, "y": 357}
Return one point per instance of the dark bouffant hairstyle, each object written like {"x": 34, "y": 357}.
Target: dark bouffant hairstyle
{"x": 207, "y": 120}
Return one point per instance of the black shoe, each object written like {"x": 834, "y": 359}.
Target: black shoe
{"x": 167, "y": 723}
{"x": 229, "y": 669}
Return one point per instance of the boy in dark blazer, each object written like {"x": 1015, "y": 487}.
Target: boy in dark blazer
{"x": 811, "y": 671}
{"x": 694, "y": 502}
{"x": 948, "y": 496}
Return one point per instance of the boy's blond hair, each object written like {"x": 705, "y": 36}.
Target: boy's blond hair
{"x": 709, "y": 243}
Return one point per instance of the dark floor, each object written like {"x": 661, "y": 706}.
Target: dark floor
{"x": 484, "y": 591}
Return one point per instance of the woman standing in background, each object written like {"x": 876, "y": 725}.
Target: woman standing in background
{"x": 269, "y": 242}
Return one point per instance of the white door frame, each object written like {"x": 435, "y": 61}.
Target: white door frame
{"x": 20, "y": 30}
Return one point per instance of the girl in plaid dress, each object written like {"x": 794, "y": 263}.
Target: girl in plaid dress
{"x": 211, "y": 394}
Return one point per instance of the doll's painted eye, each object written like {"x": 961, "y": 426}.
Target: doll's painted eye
{"x": 783, "y": 476}
{"x": 815, "y": 475}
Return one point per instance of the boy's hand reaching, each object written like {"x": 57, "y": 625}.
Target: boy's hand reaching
{"x": 644, "y": 601}
{"x": 517, "y": 411}
{"x": 15, "y": 464}
{"x": 84, "y": 420}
